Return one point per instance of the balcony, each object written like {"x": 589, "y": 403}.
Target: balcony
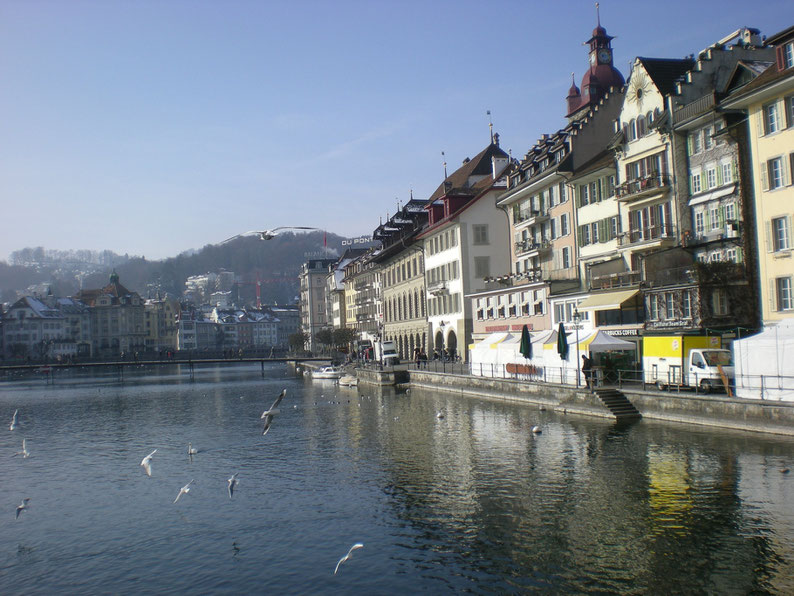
{"x": 530, "y": 218}
{"x": 438, "y": 288}
{"x": 621, "y": 279}
{"x": 638, "y": 188}
{"x": 531, "y": 248}
{"x": 662, "y": 235}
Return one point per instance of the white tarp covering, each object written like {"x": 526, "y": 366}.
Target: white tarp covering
{"x": 762, "y": 369}
{"x": 485, "y": 354}
{"x": 601, "y": 341}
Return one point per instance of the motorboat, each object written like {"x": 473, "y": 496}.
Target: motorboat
{"x": 348, "y": 380}
{"x": 328, "y": 372}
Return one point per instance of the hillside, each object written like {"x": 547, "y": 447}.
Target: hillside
{"x": 275, "y": 262}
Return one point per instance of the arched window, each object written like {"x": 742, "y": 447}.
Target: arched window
{"x": 641, "y": 128}
{"x": 632, "y": 129}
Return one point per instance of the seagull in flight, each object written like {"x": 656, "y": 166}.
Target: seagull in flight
{"x": 22, "y": 506}
{"x": 233, "y": 482}
{"x": 267, "y": 234}
{"x": 24, "y": 452}
{"x": 184, "y": 490}
{"x": 270, "y": 413}
{"x": 14, "y": 420}
{"x": 348, "y": 555}
{"x": 146, "y": 462}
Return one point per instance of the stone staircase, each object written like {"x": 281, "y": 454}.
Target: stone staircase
{"x": 618, "y": 404}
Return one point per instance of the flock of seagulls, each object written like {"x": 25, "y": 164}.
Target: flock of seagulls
{"x": 267, "y": 417}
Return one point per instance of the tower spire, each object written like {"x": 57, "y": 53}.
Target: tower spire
{"x": 445, "y": 165}
{"x": 490, "y": 124}
{"x": 598, "y": 14}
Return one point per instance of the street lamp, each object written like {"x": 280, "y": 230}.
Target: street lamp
{"x": 576, "y": 317}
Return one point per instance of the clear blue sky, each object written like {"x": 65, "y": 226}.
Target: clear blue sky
{"x": 153, "y": 127}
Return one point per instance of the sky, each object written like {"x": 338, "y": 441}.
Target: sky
{"x": 153, "y": 127}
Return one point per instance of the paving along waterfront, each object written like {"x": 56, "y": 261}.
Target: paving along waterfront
{"x": 446, "y": 493}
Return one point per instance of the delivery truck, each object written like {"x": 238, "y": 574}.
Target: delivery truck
{"x": 386, "y": 353}
{"x": 694, "y": 361}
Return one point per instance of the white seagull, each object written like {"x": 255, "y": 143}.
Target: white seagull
{"x": 348, "y": 555}
{"x": 269, "y": 414}
{"x": 190, "y": 450}
{"x": 233, "y": 482}
{"x": 267, "y": 234}
{"x": 22, "y": 506}
{"x": 24, "y": 452}
{"x": 146, "y": 462}
{"x": 184, "y": 490}
{"x": 14, "y": 420}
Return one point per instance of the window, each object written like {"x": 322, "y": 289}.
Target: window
{"x": 553, "y": 228}
{"x": 719, "y": 302}
{"x": 727, "y": 173}
{"x": 730, "y": 211}
{"x": 775, "y": 167}
{"x": 700, "y": 226}
{"x": 594, "y": 231}
{"x": 482, "y": 267}
{"x": 788, "y": 55}
{"x": 711, "y": 178}
{"x": 785, "y": 299}
{"x": 585, "y": 232}
{"x": 564, "y": 231}
{"x": 584, "y": 195}
{"x": 789, "y": 101}
{"x": 563, "y": 196}
{"x": 686, "y": 304}
{"x": 480, "y": 232}
{"x": 697, "y": 144}
{"x": 566, "y": 257}
{"x": 714, "y": 217}
{"x": 771, "y": 119}
{"x": 696, "y": 188}
{"x": 669, "y": 305}
{"x": 708, "y": 141}
{"x": 780, "y": 234}
{"x": 610, "y": 183}
{"x": 653, "y": 307}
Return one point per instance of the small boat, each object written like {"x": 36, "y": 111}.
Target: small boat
{"x": 348, "y": 380}
{"x": 327, "y": 372}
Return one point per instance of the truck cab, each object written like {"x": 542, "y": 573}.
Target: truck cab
{"x": 386, "y": 353}
{"x": 706, "y": 368}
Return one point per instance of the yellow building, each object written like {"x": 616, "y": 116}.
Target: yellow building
{"x": 769, "y": 103}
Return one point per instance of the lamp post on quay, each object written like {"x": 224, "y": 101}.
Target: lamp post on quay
{"x": 576, "y": 318}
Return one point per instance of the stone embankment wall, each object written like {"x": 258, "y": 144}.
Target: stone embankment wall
{"x": 710, "y": 410}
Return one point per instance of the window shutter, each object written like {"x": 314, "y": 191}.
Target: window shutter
{"x": 580, "y": 239}
{"x": 691, "y": 184}
{"x": 719, "y": 174}
{"x": 788, "y": 232}
{"x": 602, "y": 230}
{"x": 689, "y": 144}
{"x": 764, "y": 175}
{"x": 761, "y": 126}
{"x": 772, "y": 297}
{"x": 781, "y": 57}
{"x": 707, "y": 219}
{"x": 791, "y": 168}
{"x": 768, "y": 232}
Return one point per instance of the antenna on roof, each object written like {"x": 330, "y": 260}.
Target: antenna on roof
{"x": 398, "y": 203}
{"x": 490, "y": 124}
{"x": 412, "y": 194}
{"x": 445, "y": 165}
{"x": 598, "y": 14}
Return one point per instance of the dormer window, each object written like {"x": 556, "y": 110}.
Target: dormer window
{"x": 786, "y": 56}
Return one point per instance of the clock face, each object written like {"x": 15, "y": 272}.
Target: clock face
{"x": 604, "y": 56}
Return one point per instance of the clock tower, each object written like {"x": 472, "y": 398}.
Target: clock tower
{"x": 599, "y": 78}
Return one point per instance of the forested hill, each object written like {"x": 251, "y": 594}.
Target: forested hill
{"x": 275, "y": 263}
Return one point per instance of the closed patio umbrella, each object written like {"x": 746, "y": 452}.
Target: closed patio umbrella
{"x": 526, "y": 343}
{"x": 562, "y": 342}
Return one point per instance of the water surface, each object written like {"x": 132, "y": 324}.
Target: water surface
{"x": 471, "y": 500}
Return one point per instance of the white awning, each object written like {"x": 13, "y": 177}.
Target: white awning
{"x": 715, "y": 194}
{"x": 606, "y": 300}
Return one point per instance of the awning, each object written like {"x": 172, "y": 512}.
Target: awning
{"x": 710, "y": 196}
{"x": 607, "y": 300}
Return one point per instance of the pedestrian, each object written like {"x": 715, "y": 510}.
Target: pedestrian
{"x": 423, "y": 358}
{"x": 417, "y": 356}
{"x": 587, "y": 369}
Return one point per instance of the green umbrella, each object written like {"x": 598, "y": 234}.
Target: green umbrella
{"x": 526, "y": 343}
{"x": 562, "y": 342}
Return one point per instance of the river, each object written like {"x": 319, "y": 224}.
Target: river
{"x": 448, "y": 494}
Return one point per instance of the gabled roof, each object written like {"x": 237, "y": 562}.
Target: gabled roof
{"x": 480, "y": 165}
{"x": 770, "y": 76}
{"x": 664, "y": 72}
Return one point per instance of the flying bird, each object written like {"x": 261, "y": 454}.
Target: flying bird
{"x": 24, "y": 452}
{"x": 14, "y": 420}
{"x": 146, "y": 462}
{"x": 233, "y": 482}
{"x": 22, "y": 506}
{"x": 270, "y": 413}
{"x": 266, "y": 234}
{"x": 184, "y": 490}
{"x": 348, "y": 555}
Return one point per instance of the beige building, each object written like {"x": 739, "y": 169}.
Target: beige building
{"x": 402, "y": 263}
{"x": 313, "y": 284}
{"x": 769, "y": 103}
{"x": 160, "y": 321}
